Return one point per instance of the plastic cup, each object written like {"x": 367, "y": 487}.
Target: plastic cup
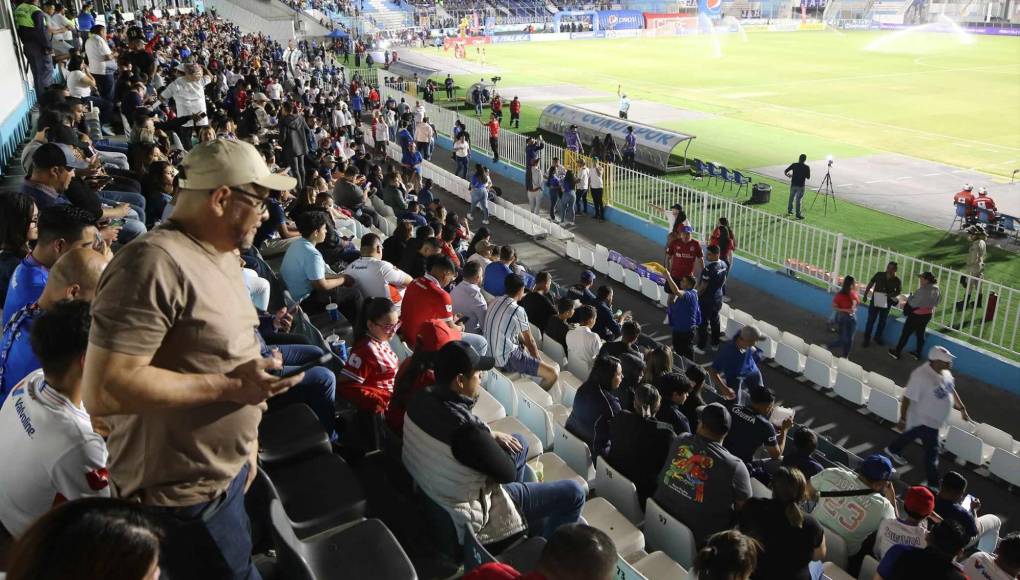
{"x": 334, "y": 312}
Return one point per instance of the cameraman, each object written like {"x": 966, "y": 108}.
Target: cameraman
{"x": 798, "y": 173}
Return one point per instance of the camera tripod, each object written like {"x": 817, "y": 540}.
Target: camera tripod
{"x": 827, "y": 191}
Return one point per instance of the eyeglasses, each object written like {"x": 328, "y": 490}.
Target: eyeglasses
{"x": 388, "y": 327}
{"x": 260, "y": 201}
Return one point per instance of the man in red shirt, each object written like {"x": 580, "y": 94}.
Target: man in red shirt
{"x": 493, "y": 126}
{"x": 497, "y": 108}
{"x": 425, "y": 299}
{"x": 684, "y": 255}
{"x": 515, "y": 113}
{"x": 984, "y": 202}
{"x": 966, "y": 199}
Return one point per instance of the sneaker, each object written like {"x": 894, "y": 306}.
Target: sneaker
{"x": 894, "y": 354}
{"x": 471, "y": 217}
{"x": 800, "y": 217}
{"x": 895, "y": 457}
{"x": 485, "y": 222}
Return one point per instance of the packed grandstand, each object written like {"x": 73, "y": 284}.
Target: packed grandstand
{"x": 302, "y": 308}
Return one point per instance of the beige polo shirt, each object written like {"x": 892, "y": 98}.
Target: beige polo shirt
{"x": 175, "y": 298}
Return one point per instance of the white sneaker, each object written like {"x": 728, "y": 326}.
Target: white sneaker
{"x": 471, "y": 217}
{"x": 895, "y": 456}
{"x": 486, "y": 222}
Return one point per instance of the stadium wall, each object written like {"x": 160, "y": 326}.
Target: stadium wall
{"x": 991, "y": 368}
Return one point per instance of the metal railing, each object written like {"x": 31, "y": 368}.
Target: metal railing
{"x": 979, "y": 311}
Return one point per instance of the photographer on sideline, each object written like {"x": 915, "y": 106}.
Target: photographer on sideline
{"x": 798, "y": 173}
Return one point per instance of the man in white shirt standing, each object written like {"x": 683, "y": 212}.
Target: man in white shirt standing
{"x": 927, "y": 401}
{"x": 188, "y": 93}
{"x": 1004, "y": 565}
{"x": 583, "y": 344}
{"x": 375, "y": 277}
{"x": 102, "y": 61}
{"x": 51, "y": 454}
{"x": 423, "y": 136}
{"x": 467, "y": 298}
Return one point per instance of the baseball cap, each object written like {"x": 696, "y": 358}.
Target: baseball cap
{"x": 751, "y": 332}
{"x": 677, "y": 207}
{"x": 50, "y": 155}
{"x": 260, "y": 97}
{"x": 587, "y": 276}
{"x": 687, "y": 229}
{"x": 919, "y": 500}
{"x": 228, "y": 162}
{"x": 941, "y": 353}
{"x": 762, "y": 395}
{"x": 434, "y": 334}
{"x": 877, "y": 467}
{"x": 715, "y": 417}
{"x": 458, "y": 358}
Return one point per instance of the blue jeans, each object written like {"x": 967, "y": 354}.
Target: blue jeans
{"x": 846, "y": 326}
{"x": 480, "y": 199}
{"x": 210, "y": 539}
{"x": 567, "y": 201}
{"x": 462, "y": 166}
{"x": 476, "y": 341}
{"x": 796, "y": 194}
{"x": 135, "y": 200}
{"x": 549, "y": 505}
{"x": 930, "y": 440}
{"x": 317, "y": 389}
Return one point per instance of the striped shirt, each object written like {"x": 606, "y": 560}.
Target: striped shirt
{"x": 504, "y": 324}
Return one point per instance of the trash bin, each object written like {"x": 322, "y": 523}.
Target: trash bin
{"x": 761, "y": 193}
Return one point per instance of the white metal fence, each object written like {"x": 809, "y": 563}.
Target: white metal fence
{"x": 977, "y": 310}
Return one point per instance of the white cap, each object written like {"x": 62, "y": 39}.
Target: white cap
{"x": 982, "y": 190}
{"x": 227, "y": 162}
{"x": 941, "y": 353}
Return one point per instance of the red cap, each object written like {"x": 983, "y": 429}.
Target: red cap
{"x": 433, "y": 334}
{"x": 919, "y": 501}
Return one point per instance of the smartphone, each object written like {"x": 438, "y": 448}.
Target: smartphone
{"x": 462, "y": 320}
{"x": 117, "y": 222}
{"x": 324, "y": 359}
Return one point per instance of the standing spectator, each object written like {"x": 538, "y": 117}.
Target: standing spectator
{"x": 927, "y": 400}
{"x": 954, "y": 503}
{"x": 475, "y": 473}
{"x": 18, "y": 228}
{"x": 468, "y": 300}
{"x": 507, "y": 330}
{"x": 711, "y": 288}
{"x": 844, "y": 304}
{"x": 554, "y": 185}
{"x": 533, "y": 149}
{"x": 629, "y": 148}
{"x": 497, "y": 108}
{"x": 538, "y": 303}
{"x": 375, "y": 277}
{"x": 595, "y": 405}
{"x": 805, "y": 442}
{"x": 583, "y": 345}
{"x": 791, "y": 538}
{"x": 1005, "y": 565}
{"x": 480, "y": 184}
{"x": 702, "y": 484}
{"x": 368, "y": 375}
{"x": 424, "y": 135}
{"x": 461, "y": 154}
{"x": 975, "y": 267}
{"x": 735, "y": 367}
{"x": 884, "y": 287}
{"x": 51, "y": 454}
{"x": 608, "y": 324}
{"x": 294, "y": 142}
{"x": 724, "y": 237}
{"x": 919, "y": 308}
{"x": 674, "y": 389}
{"x": 184, "y": 406}
{"x": 34, "y": 33}
{"x": 937, "y": 561}
{"x": 515, "y": 113}
{"x": 861, "y": 500}
{"x": 684, "y": 314}
{"x": 533, "y": 184}
{"x": 188, "y": 93}
{"x": 582, "y": 185}
{"x": 559, "y": 326}
{"x": 727, "y": 556}
{"x": 493, "y": 126}
{"x": 595, "y": 185}
{"x": 448, "y": 86}
{"x": 911, "y": 528}
{"x": 567, "y": 199}
{"x": 798, "y": 173}
{"x": 638, "y": 442}
{"x": 572, "y": 141}
{"x": 684, "y": 255}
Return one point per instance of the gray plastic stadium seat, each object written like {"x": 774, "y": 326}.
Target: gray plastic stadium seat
{"x": 318, "y": 493}
{"x": 291, "y": 433}
{"x": 365, "y": 550}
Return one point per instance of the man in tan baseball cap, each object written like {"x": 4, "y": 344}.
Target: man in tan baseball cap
{"x": 175, "y": 365}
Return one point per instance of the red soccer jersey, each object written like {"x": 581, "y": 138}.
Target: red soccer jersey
{"x": 682, "y": 257}
{"x": 493, "y": 128}
{"x": 423, "y": 300}
{"x": 985, "y": 202}
{"x": 368, "y": 376}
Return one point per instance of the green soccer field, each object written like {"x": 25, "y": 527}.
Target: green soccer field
{"x": 777, "y": 94}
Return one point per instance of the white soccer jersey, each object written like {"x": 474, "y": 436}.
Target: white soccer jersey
{"x": 50, "y": 454}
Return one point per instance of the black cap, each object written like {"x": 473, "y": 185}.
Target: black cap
{"x": 716, "y": 418}
{"x": 677, "y": 207}
{"x": 762, "y": 395}
{"x": 50, "y": 155}
{"x": 458, "y": 358}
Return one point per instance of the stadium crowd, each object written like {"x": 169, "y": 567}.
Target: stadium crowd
{"x": 153, "y": 290}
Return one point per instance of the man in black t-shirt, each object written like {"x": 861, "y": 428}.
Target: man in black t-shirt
{"x": 798, "y": 173}
{"x": 752, "y": 429}
{"x": 537, "y": 303}
{"x": 558, "y": 326}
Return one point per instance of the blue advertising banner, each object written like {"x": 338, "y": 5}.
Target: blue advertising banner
{"x": 710, "y": 7}
{"x": 621, "y": 19}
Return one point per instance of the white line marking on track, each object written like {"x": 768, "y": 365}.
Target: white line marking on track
{"x": 902, "y": 178}
{"x": 876, "y": 181}
{"x": 933, "y": 174}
